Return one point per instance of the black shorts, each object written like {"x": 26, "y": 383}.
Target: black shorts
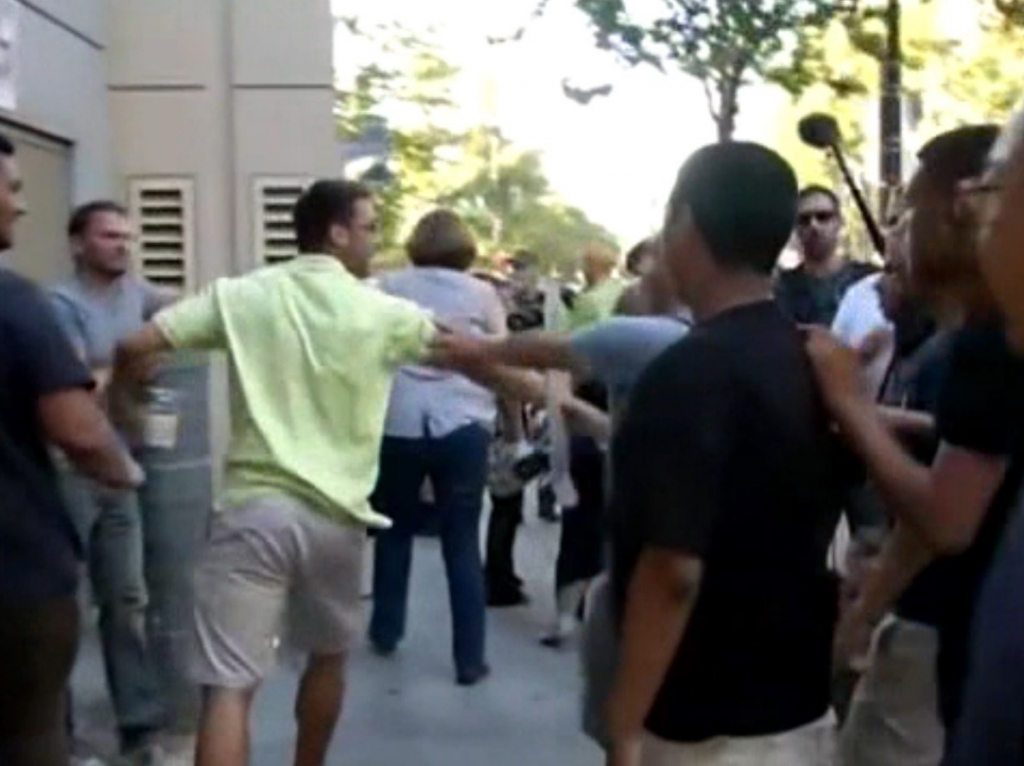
{"x": 37, "y": 651}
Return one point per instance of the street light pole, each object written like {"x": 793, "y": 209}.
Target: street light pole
{"x": 891, "y": 107}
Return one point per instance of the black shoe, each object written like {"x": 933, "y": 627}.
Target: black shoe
{"x": 472, "y": 677}
{"x": 382, "y": 651}
{"x": 553, "y": 641}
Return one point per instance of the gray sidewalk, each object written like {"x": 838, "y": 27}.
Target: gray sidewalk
{"x": 407, "y": 709}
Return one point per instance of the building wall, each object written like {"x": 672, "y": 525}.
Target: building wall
{"x": 60, "y": 123}
{"x": 221, "y": 94}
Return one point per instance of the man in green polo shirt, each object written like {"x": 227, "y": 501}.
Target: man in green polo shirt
{"x": 602, "y": 288}
{"x": 312, "y": 351}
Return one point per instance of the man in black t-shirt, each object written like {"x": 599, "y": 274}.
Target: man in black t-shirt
{"x": 44, "y": 398}
{"x": 811, "y": 292}
{"x": 956, "y": 510}
{"x": 897, "y": 724}
{"x": 726, "y": 493}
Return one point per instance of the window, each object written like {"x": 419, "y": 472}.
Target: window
{"x": 163, "y": 212}
{"x": 275, "y": 199}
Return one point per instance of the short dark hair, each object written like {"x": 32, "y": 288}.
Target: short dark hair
{"x": 743, "y": 199}
{"x": 325, "y": 203}
{"x": 6, "y": 146}
{"x": 81, "y": 217}
{"x": 823, "y": 191}
{"x": 957, "y": 155}
{"x": 441, "y": 238}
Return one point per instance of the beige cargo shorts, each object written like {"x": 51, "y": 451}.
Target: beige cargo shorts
{"x": 273, "y": 573}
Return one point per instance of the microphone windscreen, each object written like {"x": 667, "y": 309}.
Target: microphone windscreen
{"x": 819, "y": 131}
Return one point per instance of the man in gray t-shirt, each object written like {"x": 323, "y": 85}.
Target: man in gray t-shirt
{"x": 99, "y": 306}
{"x": 614, "y": 352}
{"x": 618, "y": 349}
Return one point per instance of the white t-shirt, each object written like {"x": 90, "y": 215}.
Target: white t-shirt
{"x": 860, "y": 314}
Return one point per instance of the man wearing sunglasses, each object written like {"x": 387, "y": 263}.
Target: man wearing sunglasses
{"x": 811, "y": 292}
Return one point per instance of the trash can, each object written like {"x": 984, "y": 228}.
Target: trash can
{"x": 176, "y": 503}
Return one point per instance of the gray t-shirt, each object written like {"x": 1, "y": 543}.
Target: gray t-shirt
{"x": 96, "y": 320}
{"x": 617, "y": 350}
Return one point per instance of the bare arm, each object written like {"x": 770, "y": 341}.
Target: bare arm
{"x": 944, "y": 505}
{"x": 535, "y": 350}
{"x": 903, "y": 557}
{"x": 660, "y": 600}
{"x": 910, "y": 422}
{"x": 135, "y": 363}
{"x": 888, "y": 576}
{"x": 586, "y": 419}
{"x": 73, "y": 421}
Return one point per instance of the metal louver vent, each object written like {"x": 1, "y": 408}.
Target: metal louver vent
{"x": 163, "y": 213}
{"x": 275, "y": 232}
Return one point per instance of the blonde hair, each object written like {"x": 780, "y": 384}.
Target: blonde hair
{"x": 600, "y": 256}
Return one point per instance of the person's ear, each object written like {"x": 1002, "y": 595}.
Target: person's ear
{"x": 338, "y": 235}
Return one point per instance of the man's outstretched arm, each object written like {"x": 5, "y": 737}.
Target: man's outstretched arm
{"x": 535, "y": 350}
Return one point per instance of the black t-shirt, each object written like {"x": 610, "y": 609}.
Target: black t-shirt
{"x": 815, "y": 300}
{"x": 39, "y": 549}
{"x": 726, "y": 454}
{"x": 916, "y": 384}
{"x": 981, "y": 409}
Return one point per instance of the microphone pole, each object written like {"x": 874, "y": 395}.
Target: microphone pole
{"x": 822, "y": 132}
{"x": 862, "y": 206}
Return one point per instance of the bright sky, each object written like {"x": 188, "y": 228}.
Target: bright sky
{"x": 615, "y": 158}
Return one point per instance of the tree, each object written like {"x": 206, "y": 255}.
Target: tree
{"x": 502, "y": 192}
{"x": 725, "y": 44}
{"x": 509, "y": 204}
{"x": 407, "y": 84}
{"x": 1011, "y": 10}
{"x": 981, "y": 81}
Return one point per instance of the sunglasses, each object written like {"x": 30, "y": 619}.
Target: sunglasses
{"x": 818, "y": 216}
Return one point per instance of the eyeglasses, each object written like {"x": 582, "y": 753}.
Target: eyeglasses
{"x": 817, "y": 216}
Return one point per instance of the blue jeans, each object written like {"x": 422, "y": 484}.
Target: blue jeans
{"x": 457, "y": 467}
{"x": 110, "y": 526}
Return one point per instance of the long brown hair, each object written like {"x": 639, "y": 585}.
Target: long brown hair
{"x": 944, "y": 232}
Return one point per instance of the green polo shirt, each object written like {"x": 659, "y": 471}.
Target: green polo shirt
{"x": 312, "y": 351}
{"x": 595, "y": 304}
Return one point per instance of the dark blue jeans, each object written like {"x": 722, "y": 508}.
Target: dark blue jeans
{"x": 457, "y": 467}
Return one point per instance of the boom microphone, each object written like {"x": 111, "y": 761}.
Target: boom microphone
{"x": 822, "y": 132}
{"x": 819, "y": 130}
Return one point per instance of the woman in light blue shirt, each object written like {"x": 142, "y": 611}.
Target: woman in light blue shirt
{"x": 438, "y": 427}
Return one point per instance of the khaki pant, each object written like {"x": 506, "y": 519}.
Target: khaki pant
{"x": 810, "y": 745}
{"x": 894, "y": 718}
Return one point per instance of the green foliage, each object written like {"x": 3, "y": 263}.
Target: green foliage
{"x": 1012, "y": 11}
{"x": 408, "y": 71}
{"x": 725, "y": 44}
{"x": 502, "y": 191}
{"x": 979, "y": 83}
{"x": 509, "y": 204}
